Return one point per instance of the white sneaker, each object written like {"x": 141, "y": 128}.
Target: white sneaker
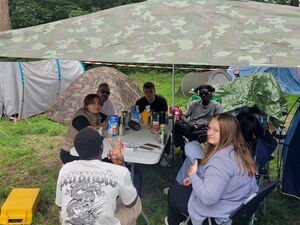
{"x": 166, "y": 190}
{"x": 166, "y": 220}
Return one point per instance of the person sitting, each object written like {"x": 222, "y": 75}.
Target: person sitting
{"x": 157, "y": 103}
{"x": 104, "y": 93}
{"x": 90, "y": 191}
{"x": 194, "y": 121}
{"x": 89, "y": 115}
{"x": 223, "y": 180}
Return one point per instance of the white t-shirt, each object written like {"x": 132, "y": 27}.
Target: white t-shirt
{"x": 108, "y": 108}
{"x": 87, "y": 191}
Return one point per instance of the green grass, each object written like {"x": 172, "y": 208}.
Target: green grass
{"x": 29, "y": 158}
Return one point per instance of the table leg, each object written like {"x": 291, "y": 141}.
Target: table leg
{"x": 132, "y": 178}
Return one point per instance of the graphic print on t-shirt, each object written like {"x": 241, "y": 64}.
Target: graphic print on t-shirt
{"x": 87, "y": 191}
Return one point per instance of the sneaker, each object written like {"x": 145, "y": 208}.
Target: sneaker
{"x": 164, "y": 162}
{"x": 166, "y": 191}
{"x": 166, "y": 220}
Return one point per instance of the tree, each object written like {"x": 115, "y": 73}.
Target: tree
{"x": 4, "y": 16}
{"x": 294, "y": 3}
{"x": 25, "y": 13}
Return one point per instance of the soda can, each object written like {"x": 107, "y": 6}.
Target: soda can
{"x": 114, "y": 131}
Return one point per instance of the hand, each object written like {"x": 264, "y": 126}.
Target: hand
{"x": 187, "y": 181}
{"x": 115, "y": 154}
{"x": 104, "y": 124}
{"x": 193, "y": 168}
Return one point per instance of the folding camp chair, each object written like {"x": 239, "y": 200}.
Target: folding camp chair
{"x": 245, "y": 213}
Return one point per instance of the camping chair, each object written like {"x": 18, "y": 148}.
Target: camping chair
{"x": 244, "y": 214}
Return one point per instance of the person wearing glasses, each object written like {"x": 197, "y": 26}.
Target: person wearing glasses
{"x": 157, "y": 103}
{"x": 194, "y": 121}
{"x": 107, "y": 107}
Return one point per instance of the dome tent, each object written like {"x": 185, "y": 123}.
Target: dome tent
{"x": 124, "y": 92}
{"x": 32, "y": 87}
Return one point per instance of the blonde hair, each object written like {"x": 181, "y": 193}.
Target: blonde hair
{"x": 230, "y": 134}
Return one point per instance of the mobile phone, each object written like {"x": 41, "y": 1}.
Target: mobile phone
{"x": 144, "y": 147}
{"x": 199, "y": 160}
{"x": 152, "y": 145}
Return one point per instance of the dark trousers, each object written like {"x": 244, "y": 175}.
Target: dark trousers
{"x": 182, "y": 130}
{"x": 178, "y": 198}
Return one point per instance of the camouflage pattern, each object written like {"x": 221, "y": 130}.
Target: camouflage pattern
{"x": 124, "y": 92}
{"x": 259, "y": 89}
{"x": 207, "y": 32}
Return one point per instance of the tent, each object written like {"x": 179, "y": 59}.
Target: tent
{"x": 124, "y": 92}
{"x": 30, "y": 88}
{"x": 288, "y": 78}
{"x": 260, "y": 90}
{"x": 291, "y": 153}
{"x": 193, "y": 80}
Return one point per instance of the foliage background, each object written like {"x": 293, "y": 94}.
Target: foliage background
{"x": 25, "y": 13}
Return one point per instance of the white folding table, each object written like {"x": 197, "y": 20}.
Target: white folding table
{"x": 147, "y": 149}
{"x": 143, "y": 153}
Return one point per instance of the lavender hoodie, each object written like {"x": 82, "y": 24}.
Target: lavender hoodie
{"x": 219, "y": 187}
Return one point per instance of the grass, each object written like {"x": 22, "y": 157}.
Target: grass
{"x": 29, "y": 158}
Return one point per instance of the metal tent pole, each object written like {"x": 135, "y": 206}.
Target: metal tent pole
{"x": 173, "y": 122}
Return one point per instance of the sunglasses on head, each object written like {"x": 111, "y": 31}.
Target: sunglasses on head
{"x": 105, "y": 92}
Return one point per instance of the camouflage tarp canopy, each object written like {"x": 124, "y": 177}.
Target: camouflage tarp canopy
{"x": 207, "y": 32}
{"x": 124, "y": 92}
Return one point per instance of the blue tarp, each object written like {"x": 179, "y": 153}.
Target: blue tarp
{"x": 288, "y": 78}
{"x": 291, "y": 154}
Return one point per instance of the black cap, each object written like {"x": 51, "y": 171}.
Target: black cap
{"x": 88, "y": 143}
{"x": 204, "y": 87}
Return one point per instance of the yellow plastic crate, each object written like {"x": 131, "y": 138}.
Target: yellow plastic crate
{"x": 19, "y": 206}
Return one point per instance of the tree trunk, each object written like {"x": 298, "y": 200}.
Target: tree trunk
{"x": 4, "y": 16}
{"x": 294, "y": 3}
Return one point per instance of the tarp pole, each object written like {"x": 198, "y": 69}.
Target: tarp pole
{"x": 23, "y": 91}
{"x": 59, "y": 77}
{"x": 173, "y": 122}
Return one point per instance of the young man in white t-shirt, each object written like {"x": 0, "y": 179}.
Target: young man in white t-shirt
{"x": 107, "y": 106}
{"x": 92, "y": 192}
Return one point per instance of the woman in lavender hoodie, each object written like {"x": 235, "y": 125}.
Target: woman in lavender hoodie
{"x": 223, "y": 180}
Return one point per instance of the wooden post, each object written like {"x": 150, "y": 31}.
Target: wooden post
{"x": 4, "y": 15}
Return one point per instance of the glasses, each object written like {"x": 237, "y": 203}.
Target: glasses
{"x": 104, "y": 92}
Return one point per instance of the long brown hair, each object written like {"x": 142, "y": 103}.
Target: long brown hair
{"x": 230, "y": 134}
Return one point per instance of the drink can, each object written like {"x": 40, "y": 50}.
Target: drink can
{"x": 121, "y": 130}
{"x": 114, "y": 131}
{"x": 163, "y": 138}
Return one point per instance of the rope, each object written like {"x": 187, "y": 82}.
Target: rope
{"x": 146, "y": 66}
